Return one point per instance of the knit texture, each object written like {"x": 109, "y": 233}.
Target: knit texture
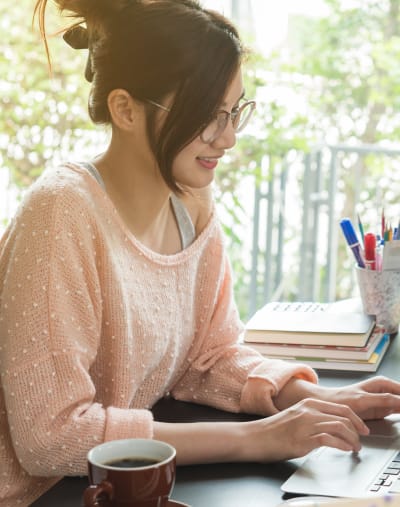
{"x": 95, "y": 328}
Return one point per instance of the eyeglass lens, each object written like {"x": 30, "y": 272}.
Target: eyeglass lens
{"x": 239, "y": 120}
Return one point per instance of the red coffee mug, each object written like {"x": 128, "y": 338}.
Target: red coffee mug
{"x": 130, "y": 473}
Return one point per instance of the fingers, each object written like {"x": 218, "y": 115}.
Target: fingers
{"x": 378, "y": 405}
{"x": 319, "y": 423}
{"x": 373, "y": 398}
{"x": 380, "y": 384}
{"x": 337, "y": 423}
{"x": 338, "y": 434}
{"x": 384, "y": 400}
{"x": 340, "y": 411}
{"x": 307, "y": 425}
{"x": 337, "y": 426}
{"x": 329, "y": 440}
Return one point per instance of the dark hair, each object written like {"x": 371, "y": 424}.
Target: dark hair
{"x": 153, "y": 48}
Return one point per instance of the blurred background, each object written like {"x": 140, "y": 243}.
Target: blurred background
{"x": 324, "y": 143}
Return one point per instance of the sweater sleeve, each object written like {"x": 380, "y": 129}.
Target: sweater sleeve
{"x": 51, "y": 311}
{"x": 220, "y": 366}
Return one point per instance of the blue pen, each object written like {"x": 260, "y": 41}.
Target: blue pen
{"x": 352, "y": 241}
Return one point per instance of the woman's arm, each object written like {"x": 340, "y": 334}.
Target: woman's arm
{"x": 51, "y": 314}
{"x": 291, "y": 433}
{"x": 310, "y": 416}
{"x": 219, "y": 367}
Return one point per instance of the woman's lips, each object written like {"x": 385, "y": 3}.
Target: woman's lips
{"x": 208, "y": 163}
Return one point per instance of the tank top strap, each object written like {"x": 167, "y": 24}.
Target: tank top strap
{"x": 185, "y": 224}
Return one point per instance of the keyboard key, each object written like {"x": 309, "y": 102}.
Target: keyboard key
{"x": 397, "y": 458}
{"x": 392, "y": 471}
{"x": 395, "y": 487}
{"x": 374, "y": 489}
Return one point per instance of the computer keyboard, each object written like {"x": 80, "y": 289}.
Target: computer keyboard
{"x": 388, "y": 481}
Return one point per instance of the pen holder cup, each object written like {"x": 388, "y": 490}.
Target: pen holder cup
{"x": 380, "y": 296}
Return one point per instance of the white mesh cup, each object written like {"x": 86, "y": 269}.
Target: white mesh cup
{"x": 380, "y": 295}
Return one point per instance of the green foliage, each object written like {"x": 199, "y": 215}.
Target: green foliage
{"x": 351, "y": 61}
{"x": 43, "y": 118}
{"x": 338, "y": 81}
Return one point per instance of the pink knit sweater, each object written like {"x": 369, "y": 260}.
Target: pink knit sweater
{"x": 95, "y": 328}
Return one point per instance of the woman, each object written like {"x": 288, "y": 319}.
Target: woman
{"x": 115, "y": 286}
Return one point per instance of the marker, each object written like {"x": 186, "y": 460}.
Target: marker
{"x": 370, "y": 250}
{"x": 352, "y": 241}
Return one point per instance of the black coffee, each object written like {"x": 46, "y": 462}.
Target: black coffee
{"x": 132, "y": 462}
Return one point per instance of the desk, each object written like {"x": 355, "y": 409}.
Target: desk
{"x": 226, "y": 484}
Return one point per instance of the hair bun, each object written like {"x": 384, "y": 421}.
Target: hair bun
{"x": 77, "y": 37}
{"x": 93, "y": 10}
{"x": 95, "y": 14}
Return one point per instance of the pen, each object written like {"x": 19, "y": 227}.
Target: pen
{"x": 379, "y": 252}
{"x": 386, "y": 236}
{"x": 361, "y": 228}
{"x": 370, "y": 250}
{"x": 352, "y": 241}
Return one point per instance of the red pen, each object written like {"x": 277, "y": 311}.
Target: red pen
{"x": 369, "y": 250}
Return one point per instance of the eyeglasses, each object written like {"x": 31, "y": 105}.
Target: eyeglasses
{"x": 239, "y": 116}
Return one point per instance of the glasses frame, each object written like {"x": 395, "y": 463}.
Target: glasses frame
{"x": 226, "y": 115}
{"x": 158, "y": 105}
{"x": 235, "y": 113}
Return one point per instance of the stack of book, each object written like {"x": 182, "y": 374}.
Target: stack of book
{"x": 325, "y": 336}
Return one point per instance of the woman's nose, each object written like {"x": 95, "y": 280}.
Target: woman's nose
{"x": 227, "y": 138}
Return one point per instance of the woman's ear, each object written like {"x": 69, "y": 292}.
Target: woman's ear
{"x": 124, "y": 110}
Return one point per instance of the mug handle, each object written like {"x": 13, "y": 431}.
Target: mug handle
{"x": 92, "y": 493}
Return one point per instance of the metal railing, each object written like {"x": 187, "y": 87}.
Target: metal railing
{"x": 305, "y": 273}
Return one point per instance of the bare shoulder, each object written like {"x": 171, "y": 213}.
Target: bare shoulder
{"x": 199, "y": 203}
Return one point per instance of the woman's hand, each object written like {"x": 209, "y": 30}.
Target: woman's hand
{"x": 374, "y": 398}
{"x": 301, "y": 428}
{"x": 291, "y": 433}
{"x": 309, "y": 416}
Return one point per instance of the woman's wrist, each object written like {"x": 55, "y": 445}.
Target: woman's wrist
{"x": 256, "y": 397}
{"x": 296, "y": 390}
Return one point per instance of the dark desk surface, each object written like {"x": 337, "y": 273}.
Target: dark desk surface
{"x": 227, "y": 484}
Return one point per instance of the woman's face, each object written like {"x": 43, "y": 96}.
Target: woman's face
{"x": 195, "y": 165}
